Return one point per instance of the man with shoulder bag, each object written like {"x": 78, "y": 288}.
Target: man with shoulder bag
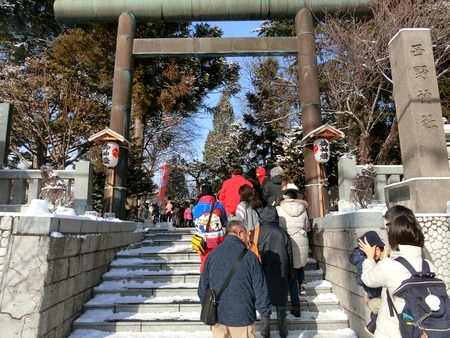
{"x": 243, "y": 293}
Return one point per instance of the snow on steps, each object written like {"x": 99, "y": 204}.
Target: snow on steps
{"x": 152, "y": 292}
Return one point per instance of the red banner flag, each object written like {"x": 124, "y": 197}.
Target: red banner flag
{"x": 164, "y": 181}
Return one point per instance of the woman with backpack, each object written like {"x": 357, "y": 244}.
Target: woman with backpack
{"x": 406, "y": 241}
{"x": 209, "y": 218}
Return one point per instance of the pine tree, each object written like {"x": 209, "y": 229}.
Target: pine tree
{"x": 177, "y": 187}
{"x": 26, "y": 28}
{"x": 272, "y": 109}
{"x": 217, "y": 141}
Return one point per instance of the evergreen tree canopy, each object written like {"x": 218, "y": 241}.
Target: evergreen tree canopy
{"x": 216, "y": 144}
{"x": 27, "y": 27}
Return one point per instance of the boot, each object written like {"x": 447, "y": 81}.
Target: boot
{"x": 303, "y": 289}
{"x": 371, "y": 327}
{"x": 295, "y": 311}
{"x": 282, "y": 325}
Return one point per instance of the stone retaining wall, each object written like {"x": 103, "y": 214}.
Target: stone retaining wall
{"x": 49, "y": 267}
{"x": 334, "y": 237}
{"x": 437, "y": 236}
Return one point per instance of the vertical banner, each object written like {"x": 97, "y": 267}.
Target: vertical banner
{"x": 165, "y": 172}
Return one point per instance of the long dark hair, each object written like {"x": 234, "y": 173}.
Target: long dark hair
{"x": 405, "y": 230}
{"x": 249, "y": 196}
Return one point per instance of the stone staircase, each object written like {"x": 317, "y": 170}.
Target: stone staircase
{"x": 151, "y": 291}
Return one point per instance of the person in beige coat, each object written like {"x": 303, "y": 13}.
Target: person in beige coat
{"x": 294, "y": 219}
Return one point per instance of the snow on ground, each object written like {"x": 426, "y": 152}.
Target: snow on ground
{"x": 116, "y": 298}
{"x": 342, "y": 333}
{"x": 95, "y": 316}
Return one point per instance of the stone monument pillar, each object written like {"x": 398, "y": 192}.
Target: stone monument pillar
{"x": 426, "y": 184}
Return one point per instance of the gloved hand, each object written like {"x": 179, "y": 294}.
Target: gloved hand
{"x": 265, "y": 326}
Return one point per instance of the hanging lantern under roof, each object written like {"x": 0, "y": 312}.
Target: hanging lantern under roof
{"x": 321, "y": 138}
{"x": 111, "y": 143}
{"x": 110, "y": 154}
{"x": 321, "y": 148}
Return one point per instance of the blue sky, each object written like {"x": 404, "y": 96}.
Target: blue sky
{"x": 231, "y": 29}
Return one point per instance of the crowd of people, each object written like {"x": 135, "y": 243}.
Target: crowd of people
{"x": 178, "y": 214}
{"x": 266, "y": 199}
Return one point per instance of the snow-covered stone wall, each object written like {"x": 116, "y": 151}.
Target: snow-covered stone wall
{"x": 49, "y": 267}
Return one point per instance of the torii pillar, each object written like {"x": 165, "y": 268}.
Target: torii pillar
{"x": 316, "y": 193}
{"x": 116, "y": 178}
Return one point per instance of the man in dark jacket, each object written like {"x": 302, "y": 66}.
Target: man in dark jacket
{"x": 246, "y": 292}
{"x": 274, "y": 245}
{"x": 272, "y": 188}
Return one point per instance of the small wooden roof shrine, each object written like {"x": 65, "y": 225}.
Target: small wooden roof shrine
{"x": 108, "y": 135}
{"x": 326, "y": 131}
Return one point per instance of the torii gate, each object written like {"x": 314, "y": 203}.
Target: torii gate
{"x": 128, "y": 12}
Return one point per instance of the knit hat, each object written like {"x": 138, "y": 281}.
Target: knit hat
{"x": 373, "y": 239}
{"x": 276, "y": 171}
{"x": 207, "y": 191}
{"x": 261, "y": 171}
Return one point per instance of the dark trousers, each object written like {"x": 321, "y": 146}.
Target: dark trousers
{"x": 294, "y": 283}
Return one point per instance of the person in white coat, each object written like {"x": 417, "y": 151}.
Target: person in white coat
{"x": 406, "y": 240}
{"x": 294, "y": 219}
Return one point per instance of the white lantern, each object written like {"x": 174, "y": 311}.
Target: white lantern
{"x": 321, "y": 149}
{"x": 110, "y": 154}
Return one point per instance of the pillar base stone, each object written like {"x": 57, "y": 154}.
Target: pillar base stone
{"x": 421, "y": 195}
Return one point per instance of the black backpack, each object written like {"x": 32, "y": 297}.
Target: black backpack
{"x": 417, "y": 319}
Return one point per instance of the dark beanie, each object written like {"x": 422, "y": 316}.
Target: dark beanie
{"x": 207, "y": 191}
{"x": 373, "y": 239}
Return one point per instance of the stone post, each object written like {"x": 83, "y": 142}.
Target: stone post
{"x": 422, "y": 140}
{"x": 346, "y": 174}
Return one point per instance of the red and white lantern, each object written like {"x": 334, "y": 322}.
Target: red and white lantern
{"x": 321, "y": 150}
{"x": 110, "y": 154}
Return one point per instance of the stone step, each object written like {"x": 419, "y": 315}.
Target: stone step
{"x": 166, "y": 242}
{"x": 151, "y": 291}
{"x": 149, "y": 265}
{"x": 107, "y": 320}
{"x": 160, "y": 255}
{"x": 138, "y": 304}
{"x": 162, "y": 276}
{"x": 149, "y": 288}
{"x": 169, "y": 236}
{"x": 160, "y": 230}
{"x": 175, "y": 276}
{"x": 81, "y": 333}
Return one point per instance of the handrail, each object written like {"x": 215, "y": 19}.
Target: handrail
{"x": 19, "y": 187}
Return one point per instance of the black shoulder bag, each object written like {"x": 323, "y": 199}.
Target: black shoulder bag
{"x": 208, "y": 314}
